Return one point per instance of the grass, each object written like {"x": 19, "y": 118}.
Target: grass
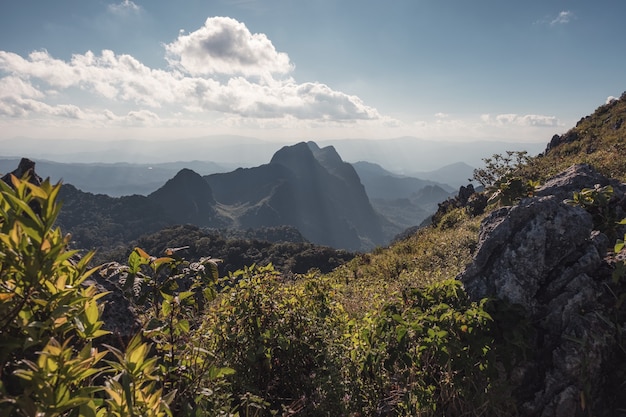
{"x": 431, "y": 255}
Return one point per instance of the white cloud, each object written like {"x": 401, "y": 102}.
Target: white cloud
{"x": 13, "y": 106}
{"x": 610, "y": 99}
{"x": 562, "y": 18}
{"x": 221, "y": 69}
{"x": 226, "y": 46}
{"x": 125, "y": 7}
{"x": 12, "y": 86}
{"x": 534, "y": 120}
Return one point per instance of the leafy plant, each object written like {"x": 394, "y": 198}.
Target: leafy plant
{"x": 50, "y": 318}
{"x": 172, "y": 294}
{"x": 500, "y": 166}
{"x": 280, "y": 338}
{"x": 597, "y": 202}
{"x": 509, "y": 189}
{"x": 430, "y": 355}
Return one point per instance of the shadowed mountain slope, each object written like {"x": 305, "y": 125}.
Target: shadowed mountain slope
{"x": 307, "y": 187}
{"x": 187, "y": 198}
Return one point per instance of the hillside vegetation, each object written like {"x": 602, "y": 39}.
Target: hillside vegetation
{"x": 389, "y": 333}
{"x": 598, "y": 140}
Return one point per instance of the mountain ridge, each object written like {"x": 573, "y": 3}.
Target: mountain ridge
{"x": 304, "y": 186}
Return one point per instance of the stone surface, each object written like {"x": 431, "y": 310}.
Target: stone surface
{"x": 575, "y": 178}
{"x": 25, "y": 167}
{"x": 544, "y": 256}
{"x": 119, "y": 317}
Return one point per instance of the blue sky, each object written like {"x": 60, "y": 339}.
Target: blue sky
{"x": 294, "y": 70}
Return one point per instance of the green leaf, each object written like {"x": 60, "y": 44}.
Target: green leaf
{"x": 216, "y": 372}
{"x": 91, "y": 312}
{"x": 400, "y": 333}
{"x": 166, "y": 308}
{"x": 183, "y": 326}
{"x": 137, "y": 258}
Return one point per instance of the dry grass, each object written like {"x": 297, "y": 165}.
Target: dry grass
{"x": 430, "y": 255}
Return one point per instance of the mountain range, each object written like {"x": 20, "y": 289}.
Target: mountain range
{"x": 115, "y": 179}
{"x": 350, "y": 206}
{"x": 405, "y": 155}
{"x": 303, "y": 186}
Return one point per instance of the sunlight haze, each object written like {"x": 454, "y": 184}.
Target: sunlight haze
{"x": 287, "y": 71}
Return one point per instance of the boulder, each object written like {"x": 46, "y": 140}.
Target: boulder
{"x": 575, "y": 178}
{"x": 119, "y": 316}
{"x": 544, "y": 257}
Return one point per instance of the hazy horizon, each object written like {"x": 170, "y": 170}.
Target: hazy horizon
{"x": 275, "y": 70}
{"x": 404, "y": 155}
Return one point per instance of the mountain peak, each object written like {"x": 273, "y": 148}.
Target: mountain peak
{"x": 295, "y": 157}
{"x": 308, "y": 188}
{"x": 187, "y": 198}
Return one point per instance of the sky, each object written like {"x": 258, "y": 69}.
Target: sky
{"x": 291, "y": 70}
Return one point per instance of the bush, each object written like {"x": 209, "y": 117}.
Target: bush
{"x": 429, "y": 356}
{"x": 280, "y": 340}
{"x": 50, "y": 318}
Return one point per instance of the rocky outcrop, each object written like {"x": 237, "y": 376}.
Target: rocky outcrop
{"x": 26, "y": 168}
{"x": 543, "y": 255}
{"x": 467, "y": 197}
{"x": 575, "y": 178}
{"x": 119, "y": 316}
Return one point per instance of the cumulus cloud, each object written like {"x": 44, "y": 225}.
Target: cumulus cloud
{"x": 534, "y": 120}
{"x": 220, "y": 68}
{"x": 562, "y": 18}
{"x": 226, "y": 46}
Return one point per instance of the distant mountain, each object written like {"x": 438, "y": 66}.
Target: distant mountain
{"x": 98, "y": 221}
{"x": 430, "y": 195}
{"x": 116, "y": 179}
{"x": 454, "y": 175}
{"x": 224, "y": 149}
{"x": 407, "y": 155}
{"x": 380, "y": 183}
{"x": 307, "y": 187}
{"x": 303, "y": 186}
{"x": 405, "y": 201}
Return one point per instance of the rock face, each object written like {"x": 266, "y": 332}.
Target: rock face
{"x": 25, "y": 167}
{"x": 544, "y": 256}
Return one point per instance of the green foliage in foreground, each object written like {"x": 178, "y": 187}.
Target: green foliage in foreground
{"x": 250, "y": 344}
{"x": 50, "y": 363}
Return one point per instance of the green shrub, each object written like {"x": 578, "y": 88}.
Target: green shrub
{"x": 171, "y": 293}
{"x": 428, "y": 356}
{"x": 499, "y": 166}
{"x": 280, "y": 338}
{"x": 50, "y": 318}
{"x": 596, "y": 201}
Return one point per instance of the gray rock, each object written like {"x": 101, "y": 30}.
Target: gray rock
{"x": 575, "y": 178}
{"x": 544, "y": 256}
{"x": 118, "y": 315}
